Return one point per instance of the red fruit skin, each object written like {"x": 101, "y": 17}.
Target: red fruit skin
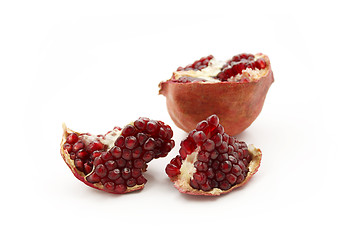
{"x": 79, "y": 175}
{"x": 236, "y": 104}
{"x": 253, "y": 168}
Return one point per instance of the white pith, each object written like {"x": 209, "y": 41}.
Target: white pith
{"x": 188, "y": 169}
{"x": 211, "y": 71}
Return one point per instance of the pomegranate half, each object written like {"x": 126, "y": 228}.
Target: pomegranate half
{"x": 115, "y": 162}
{"x": 235, "y": 90}
{"x": 211, "y": 162}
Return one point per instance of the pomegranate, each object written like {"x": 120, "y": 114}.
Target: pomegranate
{"x": 235, "y": 90}
{"x": 211, "y": 162}
{"x": 115, "y": 162}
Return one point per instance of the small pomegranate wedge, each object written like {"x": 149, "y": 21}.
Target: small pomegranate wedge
{"x": 115, "y": 162}
{"x": 234, "y": 90}
{"x": 211, "y": 162}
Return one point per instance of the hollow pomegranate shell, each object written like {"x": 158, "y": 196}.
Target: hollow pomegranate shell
{"x": 236, "y": 104}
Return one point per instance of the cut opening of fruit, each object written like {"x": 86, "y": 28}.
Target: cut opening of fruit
{"x": 235, "y": 90}
{"x": 115, "y": 162}
{"x": 210, "y": 162}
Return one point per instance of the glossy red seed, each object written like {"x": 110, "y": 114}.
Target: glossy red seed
{"x": 120, "y": 141}
{"x": 77, "y": 146}
{"x": 126, "y": 173}
{"x": 152, "y": 127}
{"x": 82, "y": 154}
{"x": 131, "y": 142}
{"x": 128, "y": 130}
{"x": 67, "y": 147}
{"x": 172, "y": 170}
{"x": 114, "y": 174}
{"x": 94, "y": 146}
{"x": 225, "y": 166}
{"x": 208, "y": 145}
{"x": 139, "y": 163}
{"x": 116, "y": 152}
{"x": 219, "y": 176}
{"x": 131, "y": 182}
{"x": 199, "y": 137}
{"x": 121, "y": 188}
{"x": 79, "y": 164}
{"x": 224, "y": 185}
{"x": 110, "y": 165}
{"x": 200, "y": 177}
{"x": 109, "y": 186}
{"x": 93, "y": 178}
{"x": 141, "y": 180}
{"x": 148, "y": 156}
{"x": 72, "y": 138}
{"x": 213, "y": 120}
{"x": 101, "y": 170}
{"x": 203, "y": 156}
{"x": 231, "y": 178}
{"x": 150, "y": 144}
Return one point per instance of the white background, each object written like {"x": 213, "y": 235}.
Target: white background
{"x": 95, "y": 65}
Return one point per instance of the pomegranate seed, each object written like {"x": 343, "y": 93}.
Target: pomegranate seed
{"x": 128, "y": 130}
{"x": 231, "y": 178}
{"x": 114, "y": 174}
{"x": 208, "y": 145}
{"x": 172, "y": 170}
{"x": 140, "y": 124}
{"x": 72, "y": 138}
{"x": 121, "y": 188}
{"x": 152, "y": 127}
{"x": 110, "y": 165}
{"x": 94, "y": 146}
{"x": 131, "y": 142}
{"x": 224, "y": 185}
{"x": 131, "y": 182}
{"x": 139, "y": 163}
{"x": 199, "y": 136}
{"x": 67, "y": 147}
{"x": 150, "y": 144}
{"x": 126, "y": 173}
{"x": 136, "y": 153}
{"x": 225, "y": 166}
{"x": 101, "y": 170}
{"x": 79, "y": 164}
{"x": 82, "y": 154}
{"x": 77, "y": 146}
{"x": 148, "y": 156}
{"x": 200, "y": 177}
{"x": 213, "y": 120}
{"x": 141, "y": 180}
{"x": 116, "y": 152}
{"x": 109, "y": 186}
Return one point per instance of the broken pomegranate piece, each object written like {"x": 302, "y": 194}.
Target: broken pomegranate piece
{"x": 211, "y": 162}
{"x": 235, "y": 90}
{"x": 115, "y": 162}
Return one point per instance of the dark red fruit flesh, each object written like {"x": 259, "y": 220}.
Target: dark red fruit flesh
{"x": 221, "y": 161}
{"x": 117, "y": 167}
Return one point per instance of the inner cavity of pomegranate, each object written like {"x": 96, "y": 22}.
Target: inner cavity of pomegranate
{"x": 115, "y": 162}
{"x": 241, "y": 68}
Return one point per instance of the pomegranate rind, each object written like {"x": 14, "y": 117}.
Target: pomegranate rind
{"x": 80, "y": 175}
{"x": 184, "y": 186}
{"x": 236, "y": 104}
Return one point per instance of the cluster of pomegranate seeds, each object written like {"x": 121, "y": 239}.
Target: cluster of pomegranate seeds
{"x": 197, "y": 65}
{"x": 239, "y": 63}
{"x": 222, "y": 161}
{"x": 120, "y": 166}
